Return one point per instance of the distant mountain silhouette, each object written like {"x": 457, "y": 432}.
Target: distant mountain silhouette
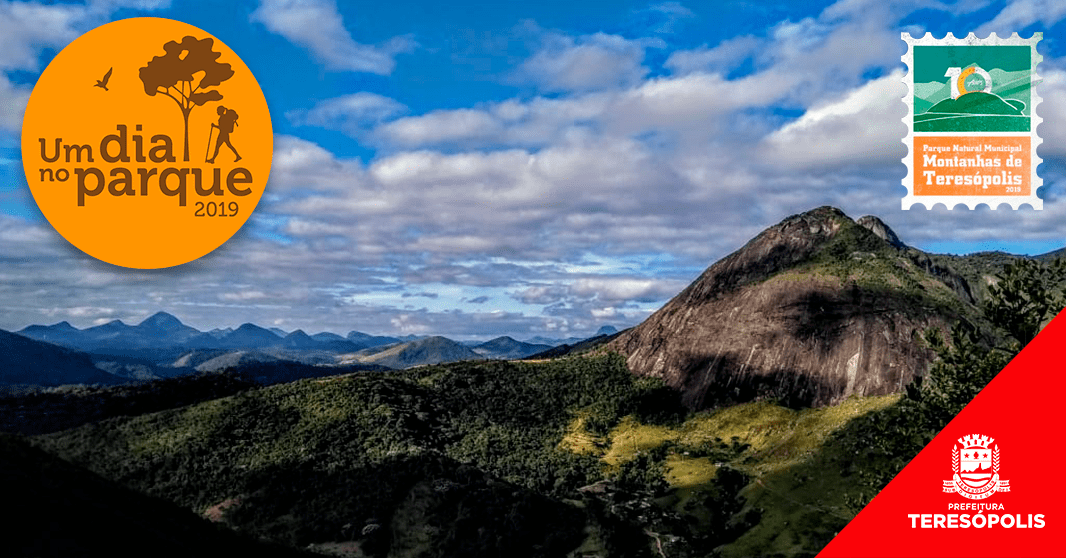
{"x": 219, "y": 333}
{"x": 233, "y": 359}
{"x": 166, "y": 328}
{"x": 506, "y": 348}
{"x": 164, "y": 341}
{"x": 59, "y": 334}
{"x": 159, "y": 330}
{"x": 250, "y": 336}
{"x": 31, "y": 363}
{"x": 366, "y": 341}
{"x": 326, "y": 336}
{"x": 431, "y": 350}
{"x": 579, "y": 346}
{"x": 552, "y": 341}
{"x": 299, "y": 340}
{"x": 161, "y": 345}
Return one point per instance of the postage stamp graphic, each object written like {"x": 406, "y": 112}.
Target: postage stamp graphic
{"x": 972, "y": 121}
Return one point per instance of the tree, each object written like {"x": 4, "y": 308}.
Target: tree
{"x": 1024, "y": 296}
{"x": 960, "y": 372}
{"x": 174, "y": 73}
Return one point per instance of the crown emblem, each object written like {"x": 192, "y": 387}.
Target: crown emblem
{"x": 975, "y": 441}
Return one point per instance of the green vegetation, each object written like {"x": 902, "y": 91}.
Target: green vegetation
{"x": 856, "y": 260}
{"x": 486, "y": 459}
{"x": 469, "y": 449}
{"x": 1024, "y": 297}
{"x": 755, "y": 479}
{"x": 43, "y": 412}
{"x": 980, "y": 270}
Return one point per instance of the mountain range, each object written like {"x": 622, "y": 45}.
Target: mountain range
{"x": 163, "y": 330}
{"x": 162, "y": 346}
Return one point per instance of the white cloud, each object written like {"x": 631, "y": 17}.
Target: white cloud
{"x": 727, "y": 55}
{"x": 1053, "y": 110}
{"x": 317, "y": 26}
{"x": 525, "y": 123}
{"x": 243, "y": 296}
{"x": 544, "y": 206}
{"x": 621, "y": 289}
{"x": 669, "y": 16}
{"x": 863, "y": 126}
{"x": 597, "y": 61}
{"x": 25, "y": 28}
{"x": 1019, "y": 14}
{"x": 442, "y": 126}
{"x": 796, "y": 64}
{"x": 13, "y": 99}
{"x": 112, "y": 5}
{"x": 28, "y": 27}
{"x": 542, "y": 294}
{"x": 352, "y": 114}
{"x": 84, "y": 311}
{"x": 408, "y": 324}
{"x": 692, "y": 102}
{"x": 299, "y": 164}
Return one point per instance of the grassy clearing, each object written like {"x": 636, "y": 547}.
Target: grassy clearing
{"x": 775, "y": 437}
{"x": 798, "y": 481}
{"x": 578, "y": 440}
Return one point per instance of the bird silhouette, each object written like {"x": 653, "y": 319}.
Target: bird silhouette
{"x": 103, "y": 82}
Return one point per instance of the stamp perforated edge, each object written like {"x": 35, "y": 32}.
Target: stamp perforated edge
{"x": 973, "y": 201}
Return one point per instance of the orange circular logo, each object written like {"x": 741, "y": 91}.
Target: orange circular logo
{"x": 147, "y": 143}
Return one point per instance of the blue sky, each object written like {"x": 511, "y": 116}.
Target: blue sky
{"x": 475, "y": 169}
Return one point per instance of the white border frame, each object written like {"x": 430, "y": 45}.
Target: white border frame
{"x": 973, "y": 201}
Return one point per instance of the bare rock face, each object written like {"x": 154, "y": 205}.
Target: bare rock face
{"x": 884, "y": 232}
{"x": 814, "y": 309}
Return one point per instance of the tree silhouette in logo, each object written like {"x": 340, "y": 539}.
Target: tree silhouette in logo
{"x": 174, "y": 73}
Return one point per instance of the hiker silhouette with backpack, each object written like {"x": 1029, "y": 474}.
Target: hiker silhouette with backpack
{"x": 227, "y": 121}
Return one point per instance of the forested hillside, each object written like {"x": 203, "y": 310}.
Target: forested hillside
{"x": 568, "y": 457}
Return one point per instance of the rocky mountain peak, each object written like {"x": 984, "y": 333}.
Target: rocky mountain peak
{"x": 883, "y": 231}
{"x": 795, "y": 239}
{"x": 810, "y": 311}
{"x": 162, "y": 321}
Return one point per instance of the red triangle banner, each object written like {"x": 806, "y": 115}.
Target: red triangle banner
{"x": 987, "y": 485}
